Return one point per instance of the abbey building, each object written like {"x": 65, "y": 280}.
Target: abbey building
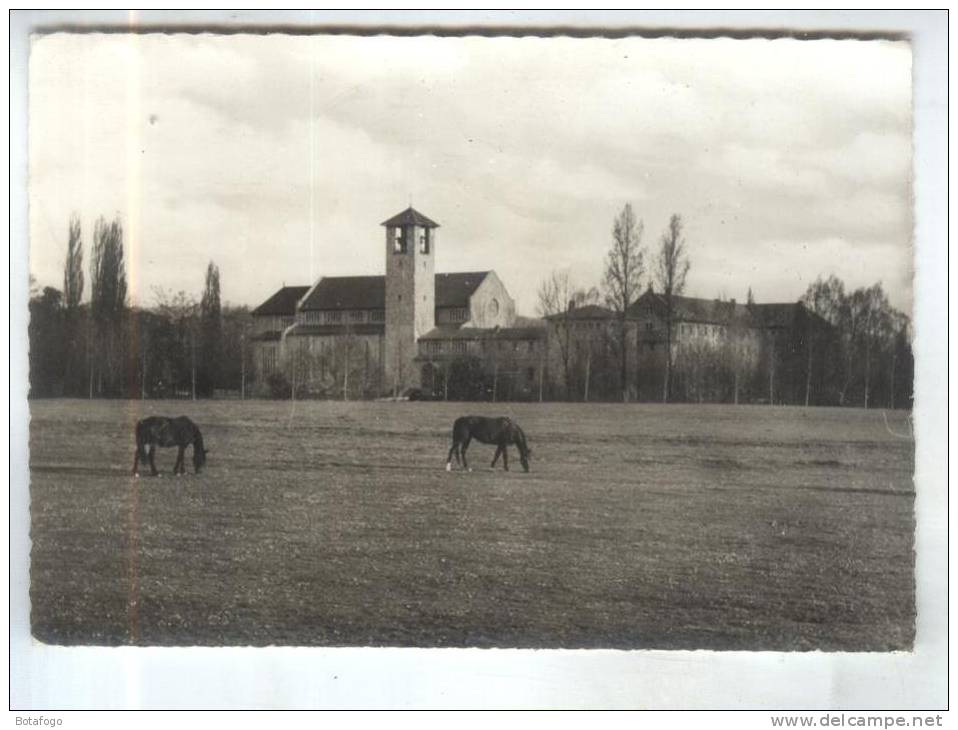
{"x": 456, "y": 335}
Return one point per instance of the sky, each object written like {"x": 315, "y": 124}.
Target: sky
{"x": 277, "y": 157}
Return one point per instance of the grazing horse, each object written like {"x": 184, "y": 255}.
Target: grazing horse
{"x": 498, "y": 431}
{"x": 161, "y": 431}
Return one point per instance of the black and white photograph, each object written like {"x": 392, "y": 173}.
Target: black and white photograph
{"x": 516, "y": 341}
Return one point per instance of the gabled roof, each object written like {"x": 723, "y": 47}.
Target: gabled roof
{"x": 774, "y": 315}
{"x": 454, "y": 290}
{"x": 588, "y": 311}
{"x": 411, "y": 217}
{"x": 785, "y": 315}
{"x": 691, "y": 309}
{"x": 714, "y": 311}
{"x": 348, "y": 292}
{"x": 282, "y": 303}
{"x": 369, "y": 292}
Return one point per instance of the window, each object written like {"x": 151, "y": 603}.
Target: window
{"x": 399, "y": 240}
{"x": 377, "y": 315}
{"x": 493, "y": 308}
{"x": 357, "y": 315}
{"x": 313, "y": 317}
{"x": 459, "y": 346}
{"x": 458, "y": 314}
{"x": 530, "y": 374}
{"x": 424, "y": 241}
{"x": 334, "y": 317}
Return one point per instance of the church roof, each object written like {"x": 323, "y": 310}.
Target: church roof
{"x": 411, "y": 217}
{"x": 369, "y": 292}
{"x": 348, "y": 292}
{"x": 282, "y": 303}
{"x": 454, "y": 290}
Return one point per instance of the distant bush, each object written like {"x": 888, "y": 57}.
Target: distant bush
{"x": 279, "y": 387}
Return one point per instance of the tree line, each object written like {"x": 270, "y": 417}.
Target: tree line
{"x": 862, "y": 358}
{"x": 105, "y": 347}
{"x": 189, "y": 346}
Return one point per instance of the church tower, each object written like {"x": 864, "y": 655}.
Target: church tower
{"x": 410, "y": 294}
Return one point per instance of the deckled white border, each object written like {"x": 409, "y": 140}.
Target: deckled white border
{"x": 50, "y": 678}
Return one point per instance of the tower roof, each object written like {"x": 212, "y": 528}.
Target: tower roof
{"x": 411, "y": 217}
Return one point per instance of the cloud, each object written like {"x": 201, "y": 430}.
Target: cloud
{"x": 289, "y": 151}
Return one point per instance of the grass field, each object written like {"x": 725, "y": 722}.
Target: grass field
{"x": 318, "y": 523}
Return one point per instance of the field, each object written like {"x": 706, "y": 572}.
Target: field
{"x": 320, "y": 523}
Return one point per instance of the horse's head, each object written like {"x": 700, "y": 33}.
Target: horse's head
{"x": 525, "y": 453}
{"x": 199, "y": 457}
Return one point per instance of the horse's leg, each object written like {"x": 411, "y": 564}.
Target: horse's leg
{"x": 496, "y": 457}
{"x": 505, "y": 456}
{"x": 178, "y": 468}
{"x": 462, "y": 450}
{"x": 152, "y": 455}
{"x": 136, "y": 461}
{"x": 452, "y": 451}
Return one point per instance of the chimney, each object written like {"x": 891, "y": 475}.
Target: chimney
{"x": 571, "y": 304}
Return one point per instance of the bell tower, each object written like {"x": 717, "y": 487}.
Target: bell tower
{"x": 411, "y": 240}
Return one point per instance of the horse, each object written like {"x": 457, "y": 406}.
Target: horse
{"x": 161, "y": 431}
{"x": 498, "y": 431}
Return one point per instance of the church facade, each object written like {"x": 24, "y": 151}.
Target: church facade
{"x": 368, "y": 336}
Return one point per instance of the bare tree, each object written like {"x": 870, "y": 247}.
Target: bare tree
{"x": 182, "y": 311}
{"x": 73, "y": 270}
{"x": 671, "y": 268}
{"x": 625, "y": 265}
{"x": 558, "y": 297}
{"x": 107, "y": 301}
{"x": 211, "y": 332}
{"x": 824, "y": 297}
{"x": 739, "y": 349}
{"x": 898, "y": 323}
{"x": 72, "y": 294}
{"x": 876, "y": 316}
